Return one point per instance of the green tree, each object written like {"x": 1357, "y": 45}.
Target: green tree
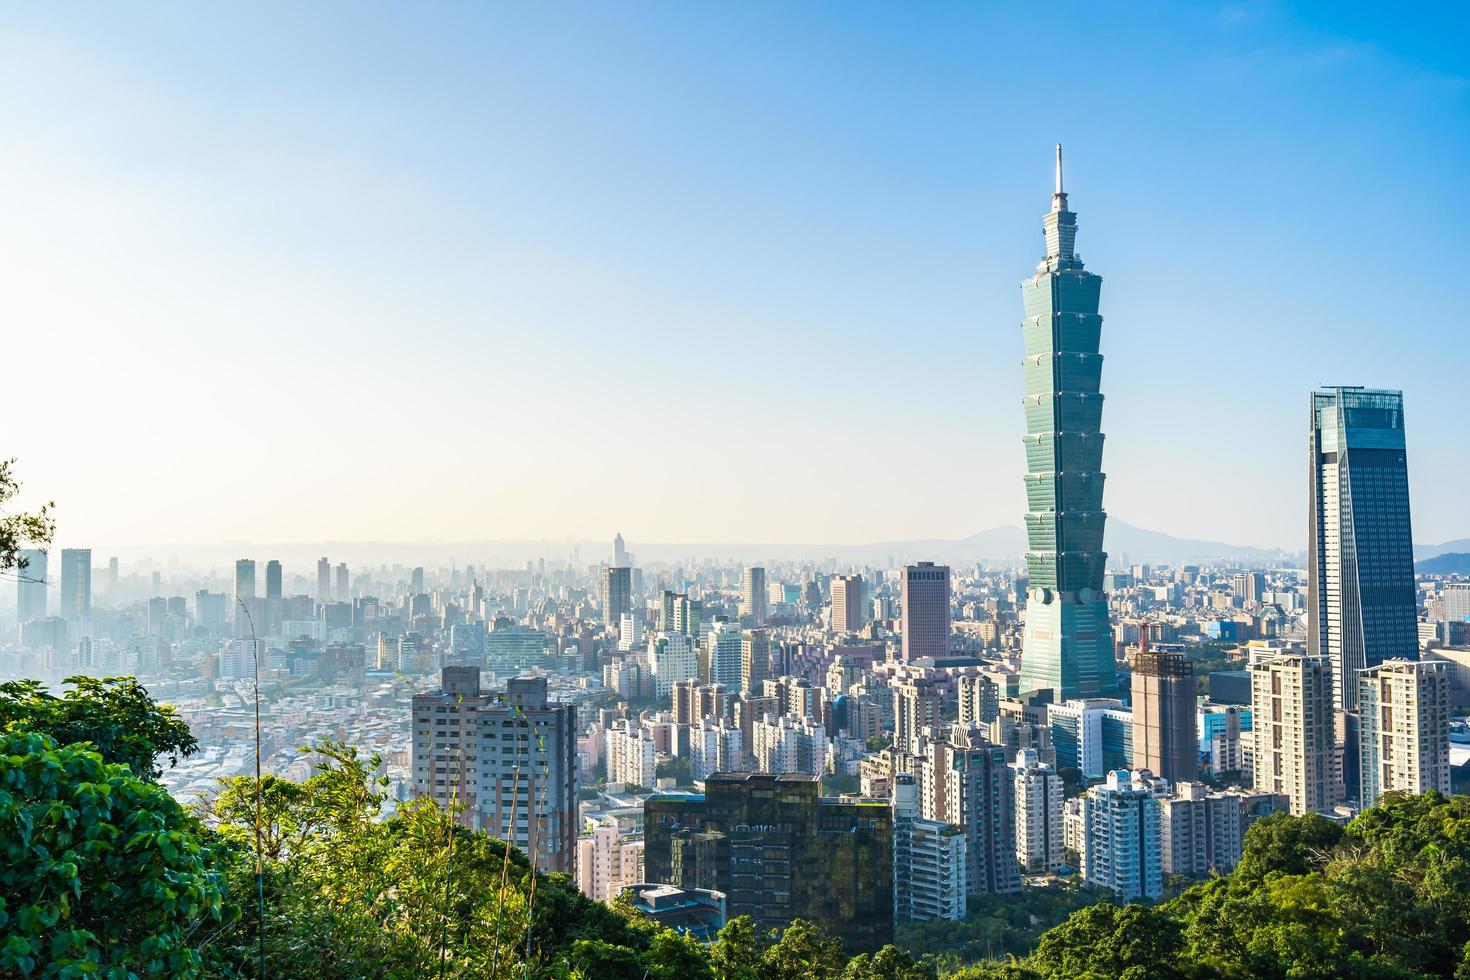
{"x": 1134, "y": 942}
{"x": 103, "y": 872}
{"x": 19, "y": 530}
{"x": 803, "y": 952}
{"x": 115, "y": 714}
{"x": 889, "y": 963}
{"x": 736, "y": 952}
{"x": 1285, "y": 844}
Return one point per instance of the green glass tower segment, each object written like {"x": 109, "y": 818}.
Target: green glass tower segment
{"x": 1068, "y": 646}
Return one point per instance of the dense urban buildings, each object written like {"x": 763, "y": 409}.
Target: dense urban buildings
{"x": 1360, "y": 555}
{"x": 1068, "y": 642}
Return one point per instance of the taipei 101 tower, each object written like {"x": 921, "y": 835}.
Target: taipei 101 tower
{"x": 1068, "y": 644}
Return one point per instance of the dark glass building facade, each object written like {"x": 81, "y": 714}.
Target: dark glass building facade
{"x": 1360, "y": 554}
{"x": 779, "y": 851}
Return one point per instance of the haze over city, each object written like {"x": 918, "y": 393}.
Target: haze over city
{"x": 277, "y": 274}
{"x": 757, "y": 491}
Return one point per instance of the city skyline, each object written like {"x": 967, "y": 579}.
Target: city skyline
{"x": 339, "y": 226}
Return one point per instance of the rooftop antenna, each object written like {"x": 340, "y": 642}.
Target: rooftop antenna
{"x": 1059, "y": 169}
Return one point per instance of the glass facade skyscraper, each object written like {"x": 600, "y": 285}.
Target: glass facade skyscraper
{"x": 1068, "y": 645}
{"x": 1360, "y": 554}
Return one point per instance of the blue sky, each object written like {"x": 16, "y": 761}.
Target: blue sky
{"x": 711, "y": 272}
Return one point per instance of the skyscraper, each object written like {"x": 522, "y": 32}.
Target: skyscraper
{"x": 924, "y": 596}
{"x": 847, "y": 603}
{"x": 1164, "y": 739}
{"x": 343, "y": 591}
{"x": 754, "y": 599}
{"x": 617, "y": 595}
{"x": 273, "y": 579}
{"x": 245, "y": 578}
{"x": 620, "y": 551}
{"x": 323, "y": 580}
{"x": 76, "y": 584}
{"x": 1404, "y": 733}
{"x": 1067, "y": 646}
{"x": 30, "y": 586}
{"x": 1360, "y": 558}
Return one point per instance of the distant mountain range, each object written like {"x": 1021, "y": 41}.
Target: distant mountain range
{"x": 1003, "y": 545}
{"x": 1448, "y": 563}
{"x": 1426, "y": 551}
{"x": 998, "y": 546}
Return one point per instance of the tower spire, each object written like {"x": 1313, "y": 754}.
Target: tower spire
{"x": 1060, "y": 225}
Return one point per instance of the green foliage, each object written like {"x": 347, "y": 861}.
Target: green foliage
{"x": 1134, "y": 942}
{"x": 1388, "y": 896}
{"x": 679, "y": 768}
{"x": 20, "y": 530}
{"x": 115, "y": 714}
{"x": 1287, "y": 845}
{"x": 995, "y": 926}
{"x": 100, "y": 871}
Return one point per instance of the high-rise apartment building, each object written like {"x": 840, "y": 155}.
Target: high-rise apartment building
{"x": 1404, "y": 728}
{"x": 323, "y": 580}
{"x": 1164, "y": 738}
{"x": 1124, "y": 849}
{"x": 755, "y": 660}
{"x": 671, "y": 656}
{"x": 779, "y": 851}
{"x": 924, "y": 595}
{"x": 273, "y": 579}
{"x": 1067, "y": 646}
{"x": 847, "y": 603}
{"x": 507, "y": 759}
{"x": 754, "y": 598}
{"x": 30, "y": 586}
{"x": 1039, "y": 795}
{"x": 1203, "y": 831}
{"x": 965, "y": 781}
{"x": 979, "y": 698}
{"x": 1292, "y": 730}
{"x": 76, "y": 584}
{"x": 1360, "y": 556}
{"x": 928, "y": 861}
{"x": 631, "y": 754}
{"x": 617, "y": 595}
{"x": 917, "y": 705}
{"x": 608, "y": 861}
{"x": 722, "y": 656}
{"x": 342, "y": 592}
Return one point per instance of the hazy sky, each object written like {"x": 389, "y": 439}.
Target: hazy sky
{"x": 711, "y": 271}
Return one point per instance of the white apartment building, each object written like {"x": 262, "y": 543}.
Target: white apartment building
{"x": 1404, "y": 728}
{"x": 1292, "y": 730}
